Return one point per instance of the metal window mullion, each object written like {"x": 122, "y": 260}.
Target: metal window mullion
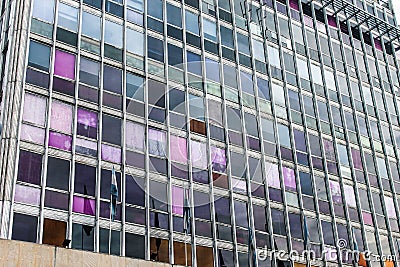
{"x": 361, "y": 147}
{"x": 391, "y": 244}
{"x": 146, "y": 150}
{"x": 123, "y": 141}
{"x": 47, "y": 134}
{"x": 100, "y": 134}
{"x": 74, "y": 127}
{"x": 6, "y": 230}
{"x": 326, "y": 90}
{"x": 264, "y": 158}
{"x": 188, "y": 141}
{"x": 316, "y": 111}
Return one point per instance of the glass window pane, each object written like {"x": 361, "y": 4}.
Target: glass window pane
{"x": 174, "y": 16}
{"x": 58, "y": 173}
{"x": 24, "y": 228}
{"x": 113, "y": 33}
{"x": 44, "y": 10}
{"x": 39, "y": 56}
{"x": 192, "y": 22}
{"x": 91, "y": 25}
{"x": 68, "y": 17}
{"x": 61, "y": 117}
{"x": 210, "y": 30}
{"x": 135, "y": 42}
{"x": 64, "y": 65}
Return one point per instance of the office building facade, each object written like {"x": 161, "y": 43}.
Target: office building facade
{"x": 276, "y": 120}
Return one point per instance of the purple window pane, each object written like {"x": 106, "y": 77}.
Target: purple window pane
{"x": 87, "y": 123}
{"x": 135, "y": 215}
{"x": 179, "y": 170}
{"x": 135, "y": 159}
{"x": 391, "y": 211}
{"x": 257, "y": 190}
{"x": 178, "y": 148}
{"x": 239, "y": 186}
{"x": 86, "y": 147}
{"x": 61, "y": 117}
{"x": 34, "y": 109}
{"x": 158, "y": 165}
{"x": 286, "y": 153}
{"x": 37, "y": 78}
{"x": 273, "y": 175}
{"x": 64, "y": 65}
{"x": 275, "y": 195}
{"x": 294, "y": 4}
{"x": 177, "y": 200}
{"x": 64, "y": 86}
{"x": 60, "y": 141}
{"x": 159, "y": 220}
{"x": 56, "y": 200}
{"x": 289, "y": 178}
{"x": 84, "y": 205}
{"x": 218, "y": 158}
{"x": 367, "y": 217}
{"x": 329, "y": 150}
{"x": 199, "y": 154}
{"x": 30, "y": 167}
{"x": 317, "y": 163}
{"x": 281, "y": 8}
{"x": 110, "y": 153}
{"x": 378, "y": 44}
{"x": 32, "y": 134}
{"x": 332, "y": 167}
{"x": 27, "y": 195}
{"x": 222, "y": 210}
{"x": 200, "y": 176}
{"x": 203, "y": 228}
{"x": 253, "y": 143}
{"x": 105, "y": 210}
{"x": 85, "y": 179}
{"x": 135, "y": 188}
{"x": 349, "y": 195}
{"x": 88, "y": 93}
{"x": 335, "y": 191}
{"x": 356, "y": 158}
{"x": 134, "y": 136}
{"x": 308, "y": 21}
{"x": 332, "y": 21}
{"x": 112, "y": 79}
{"x": 157, "y": 142}
{"x": 113, "y": 101}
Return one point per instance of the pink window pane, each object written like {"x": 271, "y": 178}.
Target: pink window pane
{"x": 199, "y": 154}
{"x": 61, "y": 117}
{"x": 335, "y": 191}
{"x": 239, "y": 186}
{"x": 218, "y": 159}
{"x": 178, "y": 149}
{"x": 350, "y": 196}
{"x": 110, "y": 153}
{"x": 329, "y": 150}
{"x": 157, "y": 141}
{"x": 134, "y": 136}
{"x": 289, "y": 178}
{"x": 86, "y": 147}
{"x": 332, "y": 21}
{"x": 32, "y": 134}
{"x": 294, "y": 4}
{"x": 356, "y": 158}
{"x": 177, "y": 200}
{"x": 84, "y": 205}
{"x": 60, "y": 141}
{"x": 367, "y": 217}
{"x": 87, "y": 118}
{"x": 273, "y": 175}
{"x": 34, "y": 109}
{"x": 378, "y": 44}
{"x": 27, "y": 195}
{"x": 64, "y": 65}
{"x": 308, "y": 21}
{"x": 391, "y": 211}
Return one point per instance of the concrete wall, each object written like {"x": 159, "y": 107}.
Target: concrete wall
{"x": 23, "y": 254}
